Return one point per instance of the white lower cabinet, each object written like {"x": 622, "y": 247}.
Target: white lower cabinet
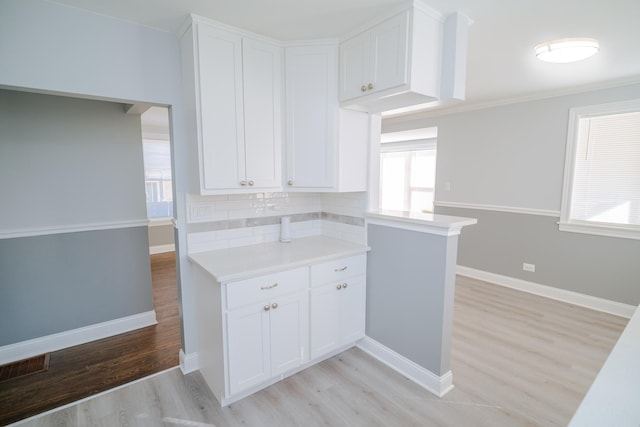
{"x": 337, "y": 315}
{"x": 254, "y": 331}
{"x": 266, "y": 339}
{"x": 337, "y": 306}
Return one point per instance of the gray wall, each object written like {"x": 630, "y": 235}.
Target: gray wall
{"x": 59, "y": 282}
{"x": 513, "y": 156}
{"x": 410, "y": 292}
{"x": 605, "y": 267}
{"x": 68, "y": 162}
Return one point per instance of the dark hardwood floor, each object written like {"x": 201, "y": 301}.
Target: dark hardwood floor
{"x": 84, "y": 370}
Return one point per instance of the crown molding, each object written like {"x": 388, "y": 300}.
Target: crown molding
{"x": 481, "y": 105}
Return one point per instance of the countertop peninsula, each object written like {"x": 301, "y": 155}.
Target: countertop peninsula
{"x": 242, "y": 262}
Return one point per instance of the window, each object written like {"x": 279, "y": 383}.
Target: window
{"x": 408, "y": 170}
{"x": 601, "y": 193}
{"x": 157, "y": 163}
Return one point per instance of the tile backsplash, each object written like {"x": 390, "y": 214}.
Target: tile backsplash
{"x": 217, "y": 222}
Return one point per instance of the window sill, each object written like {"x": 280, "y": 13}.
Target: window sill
{"x": 609, "y": 230}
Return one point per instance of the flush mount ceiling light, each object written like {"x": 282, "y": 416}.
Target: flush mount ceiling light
{"x": 567, "y": 50}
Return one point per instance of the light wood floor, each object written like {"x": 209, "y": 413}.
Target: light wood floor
{"x": 517, "y": 360}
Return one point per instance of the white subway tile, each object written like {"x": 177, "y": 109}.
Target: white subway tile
{"x": 247, "y": 196}
{"x": 234, "y": 233}
{"x": 207, "y": 246}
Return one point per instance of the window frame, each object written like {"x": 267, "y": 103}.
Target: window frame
{"x": 580, "y": 226}
{"x": 406, "y": 147}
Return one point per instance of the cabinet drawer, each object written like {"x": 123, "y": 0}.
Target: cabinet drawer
{"x": 265, "y": 287}
{"x": 339, "y": 269}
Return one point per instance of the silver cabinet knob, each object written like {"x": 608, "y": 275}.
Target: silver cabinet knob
{"x": 267, "y": 307}
{"x": 251, "y": 182}
{"x": 370, "y": 86}
{"x": 363, "y": 88}
{"x": 290, "y": 182}
{"x": 344, "y": 285}
{"x": 243, "y": 183}
{"x": 339, "y": 287}
{"x": 274, "y": 305}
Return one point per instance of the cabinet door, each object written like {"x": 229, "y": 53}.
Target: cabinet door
{"x": 311, "y": 105}
{"x": 262, "y": 79}
{"x": 354, "y": 66}
{"x": 389, "y": 53}
{"x": 352, "y": 310}
{"x": 248, "y": 346}
{"x": 388, "y": 57}
{"x": 325, "y": 319}
{"x": 289, "y": 328}
{"x": 219, "y": 65}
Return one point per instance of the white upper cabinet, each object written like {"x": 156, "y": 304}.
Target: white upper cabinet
{"x": 221, "y": 115}
{"x": 311, "y": 112}
{"x": 262, "y": 78}
{"x": 375, "y": 60}
{"x": 326, "y": 146}
{"x": 235, "y": 85}
{"x": 414, "y": 57}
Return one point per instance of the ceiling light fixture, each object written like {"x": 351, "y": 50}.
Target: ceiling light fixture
{"x": 567, "y": 50}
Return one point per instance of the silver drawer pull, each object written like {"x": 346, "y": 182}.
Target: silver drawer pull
{"x": 341, "y": 269}
{"x": 344, "y": 285}
{"x": 264, "y": 288}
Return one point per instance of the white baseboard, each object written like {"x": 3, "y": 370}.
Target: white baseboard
{"x": 25, "y": 349}
{"x": 188, "y": 362}
{"x": 160, "y": 249}
{"x": 575, "y": 298}
{"x": 438, "y": 385}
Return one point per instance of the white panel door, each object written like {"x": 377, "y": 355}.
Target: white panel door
{"x": 221, "y": 110}
{"x": 352, "y": 309}
{"x": 248, "y": 346}
{"x": 262, "y": 79}
{"x": 354, "y": 67}
{"x": 325, "y": 319}
{"x": 289, "y": 318}
{"x": 311, "y": 105}
{"x": 389, "y": 53}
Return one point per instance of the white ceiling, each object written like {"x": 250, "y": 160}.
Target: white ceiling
{"x": 501, "y": 63}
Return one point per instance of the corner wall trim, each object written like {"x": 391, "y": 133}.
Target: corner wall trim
{"x": 575, "y": 298}
{"x": 160, "y": 249}
{"x": 438, "y": 385}
{"x": 25, "y": 349}
{"x": 188, "y": 362}
{"x": 71, "y": 228}
{"x": 496, "y": 208}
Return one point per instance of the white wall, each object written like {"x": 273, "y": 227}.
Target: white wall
{"x": 53, "y": 48}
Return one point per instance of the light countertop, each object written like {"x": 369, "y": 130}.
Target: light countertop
{"x": 231, "y": 264}
{"x": 424, "y": 222}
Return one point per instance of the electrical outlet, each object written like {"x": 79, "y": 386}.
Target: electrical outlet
{"x": 529, "y": 267}
{"x": 447, "y": 186}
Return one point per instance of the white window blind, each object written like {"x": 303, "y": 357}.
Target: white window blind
{"x": 604, "y": 190}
